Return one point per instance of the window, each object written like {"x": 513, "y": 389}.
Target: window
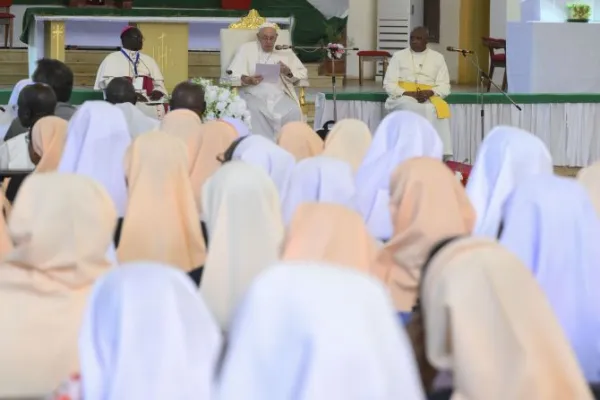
{"x": 431, "y": 19}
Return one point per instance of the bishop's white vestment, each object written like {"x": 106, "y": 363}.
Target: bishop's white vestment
{"x": 132, "y": 64}
{"x": 428, "y": 71}
{"x": 271, "y": 105}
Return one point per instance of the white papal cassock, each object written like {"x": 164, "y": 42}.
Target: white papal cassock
{"x": 427, "y": 68}
{"x": 271, "y": 105}
{"x": 117, "y": 64}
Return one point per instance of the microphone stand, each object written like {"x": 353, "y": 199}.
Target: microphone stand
{"x": 481, "y": 75}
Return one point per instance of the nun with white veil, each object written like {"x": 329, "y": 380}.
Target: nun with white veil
{"x": 319, "y": 179}
{"x": 147, "y": 334}
{"x": 97, "y": 140}
{"x": 400, "y": 136}
{"x": 506, "y": 157}
{"x": 260, "y": 151}
{"x": 309, "y": 331}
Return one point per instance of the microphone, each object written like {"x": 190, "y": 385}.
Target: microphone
{"x": 283, "y": 47}
{"x": 457, "y": 50}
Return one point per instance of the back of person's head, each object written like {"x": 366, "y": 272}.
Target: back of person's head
{"x": 120, "y": 90}
{"x": 188, "y": 95}
{"x": 35, "y": 101}
{"x": 57, "y": 75}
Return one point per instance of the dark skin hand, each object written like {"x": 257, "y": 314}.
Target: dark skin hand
{"x": 141, "y": 98}
{"x": 156, "y": 95}
{"x": 421, "y": 96}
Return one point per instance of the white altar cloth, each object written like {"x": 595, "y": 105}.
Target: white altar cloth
{"x": 553, "y": 57}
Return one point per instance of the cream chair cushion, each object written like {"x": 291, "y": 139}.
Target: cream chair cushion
{"x": 232, "y": 39}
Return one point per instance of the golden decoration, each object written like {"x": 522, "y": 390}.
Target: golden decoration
{"x": 58, "y": 34}
{"x": 251, "y": 21}
{"x": 162, "y": 54}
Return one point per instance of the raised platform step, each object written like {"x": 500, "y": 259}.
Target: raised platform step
{"x": 84, "y": 63}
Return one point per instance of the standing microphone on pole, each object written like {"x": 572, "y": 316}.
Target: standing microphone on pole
{"x": 457, "y": 50}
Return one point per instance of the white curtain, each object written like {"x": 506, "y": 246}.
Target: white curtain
{"x": 569, "y": 130}
{"x": 332, "y": 8}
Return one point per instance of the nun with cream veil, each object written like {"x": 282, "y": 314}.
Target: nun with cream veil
{"x": 589, "y": 177}
{"x": 161, "y": 223}
{"x": 506, "y": 157}
{"x": 349, "y": 140}
{"x": 97, "y": 139}
{"x": 242, "y": 211}
{"x": 550, "y": 223}
{"x": 204, "y": 144}
{"x": 310, "y": 331}
{"x": 400, "y": 136}
{"x": 147, "y": 334}
{"x": 501, "y": 341}
{"x": 319, "y": 179}
{"x": 260, "y": 151}
{"x": 61, "y": 226}
{"x": 330, "y": 233}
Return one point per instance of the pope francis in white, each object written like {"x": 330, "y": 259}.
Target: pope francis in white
{"x": 271, "y": 105}
{"x": 417, "y": 80}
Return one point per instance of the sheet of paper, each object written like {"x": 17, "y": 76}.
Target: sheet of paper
{"x": 269, "y": 72}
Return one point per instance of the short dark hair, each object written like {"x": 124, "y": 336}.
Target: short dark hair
{"x": 228, "y": 154}
{"x": 35, "y": 101}
{"x": 190, "y": 96}
{"x": 57, "y": 75}
{"x": 120, "y": 90}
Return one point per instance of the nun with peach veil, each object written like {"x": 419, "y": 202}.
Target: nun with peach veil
{"x": 46, "y": 279}
{"x": 300, "y": 140}
{"x": 349, "y": 140}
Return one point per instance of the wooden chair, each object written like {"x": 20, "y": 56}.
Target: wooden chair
{"x": 497, "y": 60}
{"x": 7, "y": 19}
{"x": 372, "y": 55}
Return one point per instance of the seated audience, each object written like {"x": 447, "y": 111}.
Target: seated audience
{"x": 549, "y": 222}
{"x": 242, "y": 211}
{"x": 121, "y": 94}
{"x": 488, "y": 330}
{"x": 427, "y": 204}
{"x": 97, "y": 139}
{"x": 61, "y": 226}
{"x": 319, "y": 179}
{"x": 314, "y": 331}
{"x": 400, "y": 136}
{"x": 59, "y": 77}
{"x": 161, "y": 222}
{"x": 300, "y": 140}
{"x": 330, "y": 233}
{"x": 506, "y": 157}
{"x": 188, "y": 96}
{"x": 277, "y": 162}
{"x": 271, "y": 105}
{"x": 169, "y": 350}
{"x": 349, "y": 141}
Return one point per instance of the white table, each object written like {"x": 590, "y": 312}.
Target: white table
{"x": 553, "y": 57}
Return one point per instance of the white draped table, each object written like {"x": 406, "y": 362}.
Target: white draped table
{"x": 567, "y": 123}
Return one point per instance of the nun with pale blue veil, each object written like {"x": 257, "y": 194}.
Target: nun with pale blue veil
{"x": 400, "y": 136}
{"x": 240, "y": 127}
{"x": 312, "y": 331}
{"x": 506, "y": 157}
{"x": 319, "y": 179}
{"x": 262, "y": 152}
{"x": 550, "y": 223}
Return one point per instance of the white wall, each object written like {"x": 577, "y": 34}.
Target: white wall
{"x": 362, "y": 32}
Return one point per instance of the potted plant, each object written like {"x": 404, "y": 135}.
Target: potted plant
{"x": 579, "y": 12}
{"x": 334, "y": 57}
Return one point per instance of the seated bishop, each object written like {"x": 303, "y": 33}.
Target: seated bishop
{"x": 417, "y": 80}
{"x": 141, "y": 69}
{"x": 271, "y": 104}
